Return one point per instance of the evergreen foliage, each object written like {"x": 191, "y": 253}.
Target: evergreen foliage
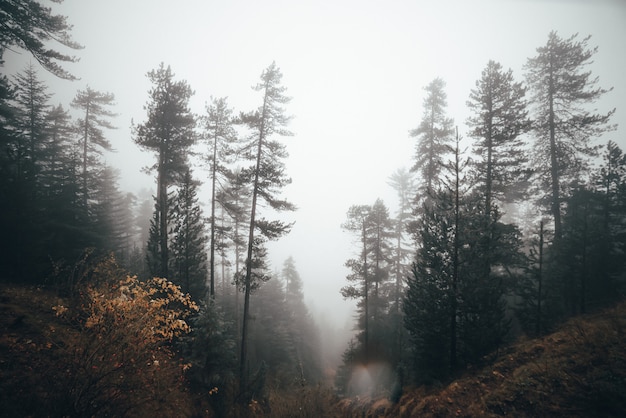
{"x": 433, "y": 134}
{"x": 561, "y": 87}
{"x": 30, "y": 26}
{"x": 95, "y": 106}
{"x": 221, "y": 137}
{"x": 267, "y": 176}
{"x": 168, "y": 132}
{"x": 473, "y": 274}
{"x": 498, "y": 121}
{"x": 189, "y": 268}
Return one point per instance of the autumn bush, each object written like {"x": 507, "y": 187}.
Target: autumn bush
{"x": 121, "y": 356}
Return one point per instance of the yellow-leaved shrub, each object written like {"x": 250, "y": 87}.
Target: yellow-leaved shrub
{"x": 123, "y": 360}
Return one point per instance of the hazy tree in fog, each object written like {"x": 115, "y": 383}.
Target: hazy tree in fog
{"x": 220, "y": 136}
{"x": 433, "y": 134}
{"x": 562, "y": 90}
{"x": 189, "y": 240}
{"x": 360, "y": 267}
{"x": 612, "y": 182}
{"x": 68, "y": 225}
{"x": 293, "y": 285}
{"x": 370, "y": 273}
{"x": 168, "y": 132}
{"x": 428, "y": 303}
{"x": 90, "y": 127}
{"x": 113, "y": 221}
{"x": 267, "y": 176}
{"x": 24, "y": 107}
{"x": 498, "y": 119}
{"x": 453, "y": 311}
{"x": 380, "y": 241}
{"x": 32, "y": 103}
{"x": 143, "y": 214}
{"x": 532, "y": 289}
{"x": 591, "y": 253}
{"x": 235, "y": 200}
{"x": 28, "y": 25}
{"x": 403, "y": 183}
{"x": 58, "y": 130}
{"x": 303, "y": 331}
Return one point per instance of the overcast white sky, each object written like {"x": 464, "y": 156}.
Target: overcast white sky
{"x": 355, "y": 70}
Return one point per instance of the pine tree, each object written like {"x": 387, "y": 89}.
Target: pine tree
{"x": 612, "y": 182}
{"x": 96, "y": 107}
{"x": 499, "y": 118}
{"x": 454, "y": 312}
{"x": 29, "y": 26}
{"x": 433, "y": 133}
{"x": 370, "y": 275}
{"x": 189, "y": 240}
{"x": 379, "y": 239}
{"x": 403, "y": 183}
{"x": 112, "y": 215}
{"x": 220, "y": 136}
{"x": 360, "y": 271}
{"x": 561, "y": 88}
{"x": 531, "y": 309}
{"x": 26, "y": 149}
{"x": 267, "y": 177}
{"x": 32, "y": 101}
{"x": 59, "y": 133}
{"x": 168, "y": 131}
{"x": 302, "y": 329}
{"x": 428, "y": 304}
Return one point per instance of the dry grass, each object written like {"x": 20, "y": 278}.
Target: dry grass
{"x": 579, "y": 371}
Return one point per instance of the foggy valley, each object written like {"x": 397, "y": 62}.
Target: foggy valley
{"x": 312, "y": 209}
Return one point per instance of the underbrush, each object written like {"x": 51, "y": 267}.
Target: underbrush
{"x": 108, "y": 348}
{"x": 578, "y": 371}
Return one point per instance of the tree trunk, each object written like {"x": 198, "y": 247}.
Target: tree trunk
{"x": 455, "y": 262}
{"x": 85, "y": 140}
{"x": 243, "y": 376}
{"x": 366, "y": 296}
{"x": 213, "y": 181}
{"x": 162, "y": 212}
{"x": 540, "y": 280}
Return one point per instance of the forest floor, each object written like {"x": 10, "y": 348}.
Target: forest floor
{"x": 577, "y": 371}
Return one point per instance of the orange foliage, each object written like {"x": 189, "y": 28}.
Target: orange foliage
{"x": 123, "y": 361}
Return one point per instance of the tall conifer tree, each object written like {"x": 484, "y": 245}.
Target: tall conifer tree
{"x": 220, "y": 136}
{"x": 95, "y": 106}
{"x": 433, "y": 134}
{"x": 267, "y": 176}
{"x": 561, "y": 88}
{"x": 168, "y": 132}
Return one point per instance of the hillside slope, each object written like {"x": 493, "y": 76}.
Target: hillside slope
{"x": 578, "y": 371}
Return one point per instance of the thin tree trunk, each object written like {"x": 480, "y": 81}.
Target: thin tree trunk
{"x": 213, "y": 181}
{"x": 366, "y": 290}
{"x": 162, "y": 211}
{"x": 243, "y": 376}
{"x": 455, "y": 261}
{"x": 540, "y": 279}
{"x": 85, "y": 141}
{"x": 583, "y": 273}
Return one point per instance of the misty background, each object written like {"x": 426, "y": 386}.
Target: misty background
{"x": 355, "y": 71}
